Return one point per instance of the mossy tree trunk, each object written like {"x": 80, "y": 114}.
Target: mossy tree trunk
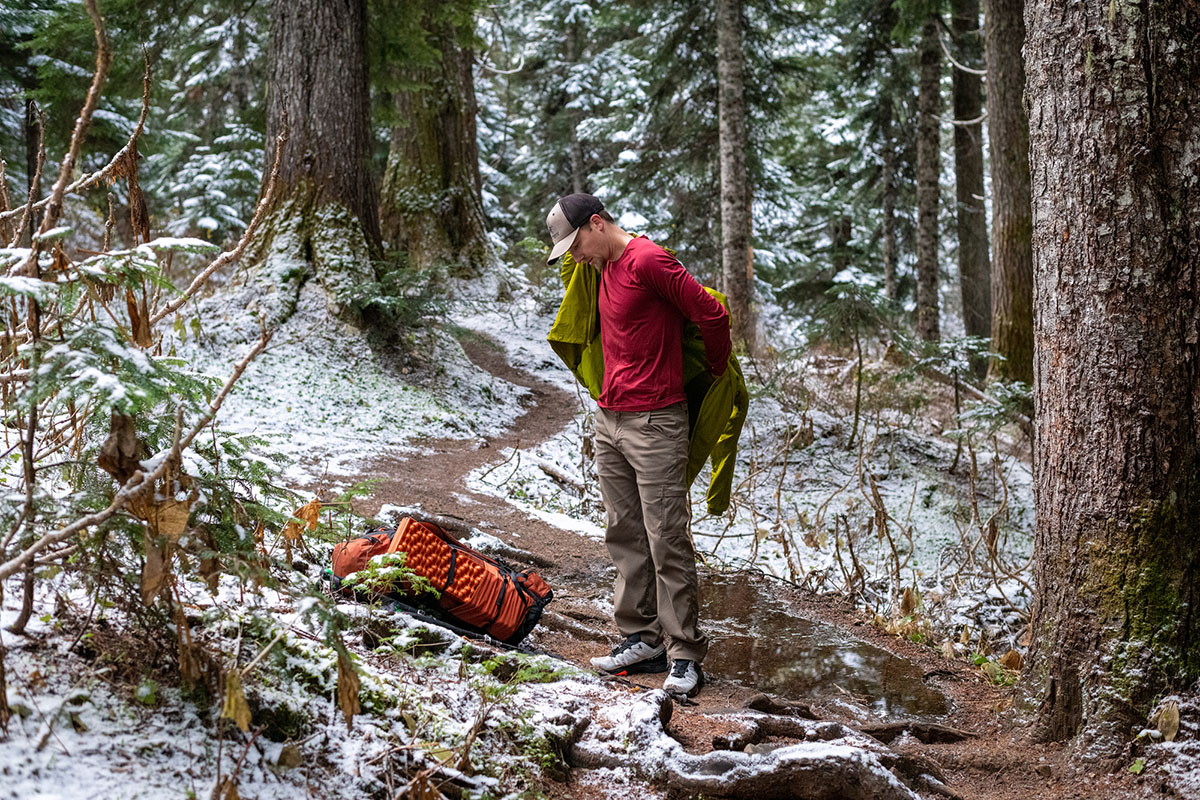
{"x": 1008, "y": 142}
{"x": 929, "y": 104}
{"x": 323, "y": 223}
{"x": 431, "y": 201}
{"x": 1114, "y": 98}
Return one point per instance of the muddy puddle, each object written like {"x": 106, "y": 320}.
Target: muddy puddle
{"x": 759, "y": 641}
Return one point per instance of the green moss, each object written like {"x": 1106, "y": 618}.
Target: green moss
{"x": 1138, "y": 577}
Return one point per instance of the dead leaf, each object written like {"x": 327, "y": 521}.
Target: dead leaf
{"x": 235, "y": 706}
{"x": 1168, "y": 720}
{"x": 965, "y": 636}
{"x": 154, "y": 573}
{"x": 310, "y": 514}
{"x": 170, "y": 517}
{"x": 139, "y": 217}
{"x": 1012, "y": 660}
{"x": 347, "y": 689}
{"x": 908, "y": 601}
{"x": 260, "y": 539}
{"x": 290, "y": 757}
{"x": 231, "y": 792}
{"x": 121, "y": 453}
{"x": 139, "y": 319}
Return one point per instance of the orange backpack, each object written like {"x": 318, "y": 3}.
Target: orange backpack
{"x": 479, "y": 593}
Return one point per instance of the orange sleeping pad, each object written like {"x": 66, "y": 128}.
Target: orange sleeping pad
{"x": 479, "y": 592}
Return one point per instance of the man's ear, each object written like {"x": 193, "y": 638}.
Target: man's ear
{"x": 597, "y": 223}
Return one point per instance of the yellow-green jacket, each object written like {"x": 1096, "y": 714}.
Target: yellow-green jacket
{"x": 716, "y": 407}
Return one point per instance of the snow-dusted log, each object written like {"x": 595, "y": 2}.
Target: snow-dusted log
{"x": 835, "y": 763}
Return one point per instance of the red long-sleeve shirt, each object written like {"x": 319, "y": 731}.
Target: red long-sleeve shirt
{"x": 646, "y": 299}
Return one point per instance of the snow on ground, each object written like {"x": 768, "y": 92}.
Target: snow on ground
{"x": 325, "y": 401}
{"x": 806, "y": 511}
{"x": 328, "y": 402}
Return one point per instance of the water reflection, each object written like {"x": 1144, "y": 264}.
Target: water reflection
{"x": 758, "y": 641}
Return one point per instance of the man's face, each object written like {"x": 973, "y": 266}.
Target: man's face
{"x": 586, "y": 249}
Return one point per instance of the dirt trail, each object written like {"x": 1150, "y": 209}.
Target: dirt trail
{"x": 1001, "y": 762}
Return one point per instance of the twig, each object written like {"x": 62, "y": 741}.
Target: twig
{"x": 139, "y": 483}
{"x": 254, "y": 662}
{"x": 963, "y": 67}
{"x": 111, "y": 166}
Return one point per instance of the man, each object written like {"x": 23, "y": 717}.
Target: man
{"x": 646, "y": 298}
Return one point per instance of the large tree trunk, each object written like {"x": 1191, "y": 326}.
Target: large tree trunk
{"x": 970, "y": 215}
{"x": 1008, "y": 140}
{"x": 1114, "y": 92}
{"x": 323, "y": 223}
{"x": 929, "y": 102}
{"x": 432, "y": 192}
{"x": 737, "y": 261}
{"x": 891, "y": 249}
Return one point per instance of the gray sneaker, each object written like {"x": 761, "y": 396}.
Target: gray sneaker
{"x": 685, "y": 678}
{"x": 632, "y": 656}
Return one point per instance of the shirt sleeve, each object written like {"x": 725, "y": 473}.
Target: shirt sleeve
{"x": 665, "y": 275}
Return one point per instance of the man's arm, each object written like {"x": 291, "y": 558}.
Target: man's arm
{"x": 667, "y": 276}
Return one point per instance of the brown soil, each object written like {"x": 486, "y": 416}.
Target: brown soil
{"x": 1000, "y": 762}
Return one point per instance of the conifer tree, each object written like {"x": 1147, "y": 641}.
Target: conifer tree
{"x": 737, "y": 260}
{"x": 431, "y": 206}
{"x": 928, "y": 163}
{"x": 324, "y": 221}
{"x": 1012, "y": 227}
{"x": 1116, "y": 219}
{"x": 969, "y": 215}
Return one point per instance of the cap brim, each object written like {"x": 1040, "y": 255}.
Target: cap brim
{"x": 562, "y": 246}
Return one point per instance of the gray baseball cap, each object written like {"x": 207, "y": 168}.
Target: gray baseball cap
{"x": 569, "y": 214}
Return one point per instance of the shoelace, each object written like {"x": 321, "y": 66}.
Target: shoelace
{"x": 622, "y": 647}
{"x": 680, "y": 669}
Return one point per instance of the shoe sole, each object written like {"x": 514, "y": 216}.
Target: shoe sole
{"x": 646, "y": 666}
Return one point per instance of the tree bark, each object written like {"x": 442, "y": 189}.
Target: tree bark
{"x": 1012, "y": 225}
{"x": 432, "y": 191}
{"x": 929, "y": 102}
{"x": 1114, "y": 92}
{"x": 323, "y": 222}
{"x": 737, "y": 260}
{"x": 970, "y": 214}
{"x": 891, "y": 249}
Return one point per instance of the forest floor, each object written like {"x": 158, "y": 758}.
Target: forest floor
{"x": 478, "y": 427}
{"x": 997, "y": 757}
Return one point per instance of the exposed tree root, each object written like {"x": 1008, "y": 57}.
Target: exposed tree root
{"x": 832, "y": 762}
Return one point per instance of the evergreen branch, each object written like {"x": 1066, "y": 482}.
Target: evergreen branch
{"x": 108, "y": 169}
{"x": 139, "y": 483}
{"x": 135, "y": 487}
{"x": 82, "y": 122}
{"x": 230, "y": 256}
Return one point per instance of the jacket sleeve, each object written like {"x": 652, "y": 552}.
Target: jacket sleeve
{"x": 665, "y": 275}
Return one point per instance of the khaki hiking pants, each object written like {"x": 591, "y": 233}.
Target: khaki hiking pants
{"x": 641, "y": 461}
